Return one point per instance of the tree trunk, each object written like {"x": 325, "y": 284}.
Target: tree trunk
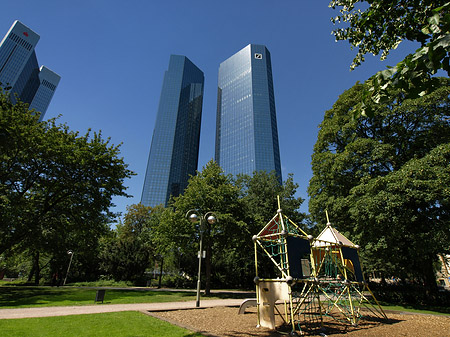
{"x": 160, "y": 273}
{"x": 429, "y": 277}
{"x": 37, "y": 269}
{"x": 30, "y": 275}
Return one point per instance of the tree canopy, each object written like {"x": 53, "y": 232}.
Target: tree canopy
{"x": 379, "y": 26}
{"x": 242, "y": 206}
{"x": 129, "y": 249}
{"x": 56, "y": 186}
{"x": 384, "y": 179}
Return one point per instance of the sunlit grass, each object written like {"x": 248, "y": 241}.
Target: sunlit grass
{"x": 417, "y": 309}
{"x": 115, "y": 324}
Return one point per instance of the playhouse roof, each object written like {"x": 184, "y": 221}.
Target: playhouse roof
{"x": 272, "y": 227}
{"x": 331, "y": 235}
{"x": 276, "y": 225}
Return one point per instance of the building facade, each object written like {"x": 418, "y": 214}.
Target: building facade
{"x": 20, "y": 73}
{"x": 175, "y": 143}
{"x": 246, "y": 129}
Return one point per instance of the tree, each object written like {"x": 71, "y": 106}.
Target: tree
{"x": 384, "y": 179}
{"x": 260, "y": 192}
{"x": 209, "y": 190}
{"x": 243, "y": 207}
{"x": 380, "y": 26}
{"x": 56, "y": 186}
{"x": 129, "y": 249}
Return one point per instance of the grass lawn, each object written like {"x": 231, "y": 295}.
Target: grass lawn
{"x": 417, "y": 309}
{"x": 115, "y": 324}
{"x": 24, "y": 296}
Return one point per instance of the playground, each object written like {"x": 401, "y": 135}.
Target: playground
{"x": 305, "y": 286}
{"x": 309, "y": 286}
{"x": 316, "y": 279}
{"x": 320, "y": 290}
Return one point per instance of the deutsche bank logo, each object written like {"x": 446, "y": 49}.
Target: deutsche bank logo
{"x": 258, "y": 56}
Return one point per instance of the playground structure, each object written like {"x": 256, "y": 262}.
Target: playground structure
{"x": 316, "y": 277}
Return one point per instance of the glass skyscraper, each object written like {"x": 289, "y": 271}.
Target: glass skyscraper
{"x": 175, "y": 143}
{"x": 19, "y": 70}
{"x": 246, "y": 130}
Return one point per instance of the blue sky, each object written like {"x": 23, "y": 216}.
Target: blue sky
{"x": 112, "y": 55}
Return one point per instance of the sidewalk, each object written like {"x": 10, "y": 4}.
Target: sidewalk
{"x": 101, "y": 308}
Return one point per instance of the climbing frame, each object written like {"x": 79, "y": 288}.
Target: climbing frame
{"x": 315, "y": 277}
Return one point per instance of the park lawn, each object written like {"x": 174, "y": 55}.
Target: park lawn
{"x": 417, "y": 309}
{"x": 117, "y": 324}
{"x": 24, "y": 297}
{"x": 435, "y": 310}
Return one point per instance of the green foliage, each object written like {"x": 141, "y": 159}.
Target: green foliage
{"x": 412, "y": 298}
{"x": 102, "y": 282}
{"x": 128, "y": 323}
{"x": 243, "y": 207}
{"x": 178, "y": 282}
{"x": 382, "y": 26}
{"x": 384, "y": 180}
{"x": 15, "y": 264}
{"x": 260, "y": 192}
{"x": 56, "y": 186}
{"x": 128, "y": 250}
{"x": 209, "y": 190}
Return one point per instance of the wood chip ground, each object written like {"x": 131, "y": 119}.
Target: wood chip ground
{"x": 225, "y": 322}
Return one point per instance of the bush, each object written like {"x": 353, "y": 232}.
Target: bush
{"x": 410, "y": 294}
{"x": 178, "y": 282}
{"x": 103, "y": 283}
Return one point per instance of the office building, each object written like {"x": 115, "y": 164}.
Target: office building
{"x": 20, "y": 73}
{"x": 246, "y": 129}
{"x": 175, "y": 143}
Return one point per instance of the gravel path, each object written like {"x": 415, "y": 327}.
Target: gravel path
{"x": 100, "y": 308}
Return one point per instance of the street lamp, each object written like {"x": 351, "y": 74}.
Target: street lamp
{"x": 194, "y": 217}
{"x": 70, "y": 252}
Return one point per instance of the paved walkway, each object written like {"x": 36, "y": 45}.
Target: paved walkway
{"x": 101, "y": 308}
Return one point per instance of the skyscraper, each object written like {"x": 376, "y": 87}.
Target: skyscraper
{"x": 246, "y": 130}
{"x": 175, "y": 142}
{"x": 19, "y": 70}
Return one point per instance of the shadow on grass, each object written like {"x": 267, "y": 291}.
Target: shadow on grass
{"x": 32, "y": 296}
{"x": 42, "y": 296}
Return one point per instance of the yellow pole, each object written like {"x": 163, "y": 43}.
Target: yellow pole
{"x": 373, "y": 296}
{"x": 291, "y": 308}
{"x": 353, "y": 320}
{"x": 257, "y": 286}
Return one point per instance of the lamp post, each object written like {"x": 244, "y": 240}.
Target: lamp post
{"x": 70, "y": 252}
{"x": 193, "y": 215}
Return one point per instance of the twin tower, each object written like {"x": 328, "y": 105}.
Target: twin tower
{"x": 246, "y": 125}
{"x": 20, "y": 74}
